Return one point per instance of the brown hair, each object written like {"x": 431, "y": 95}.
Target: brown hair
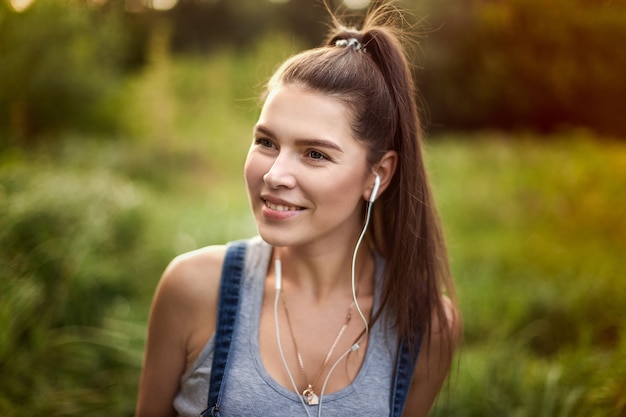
{"x": 375, "y": 81}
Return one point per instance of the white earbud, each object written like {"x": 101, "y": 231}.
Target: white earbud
{"x": 375, "y": 188}
{"x": 278, "y": 275}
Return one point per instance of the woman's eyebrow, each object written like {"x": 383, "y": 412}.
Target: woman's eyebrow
{"x": 264, "y": 130}
{"x": 318, "y": 143}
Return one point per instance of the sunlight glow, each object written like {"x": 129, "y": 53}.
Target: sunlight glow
{"x": 20, "y": 5}
{"x": 161, "y": 5}
{"x": 356, "y": 4}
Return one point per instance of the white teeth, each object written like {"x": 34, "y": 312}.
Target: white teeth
{"x": 279, "y": 207}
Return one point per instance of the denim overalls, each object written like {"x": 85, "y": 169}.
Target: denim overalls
{"x": 232, "y": 272}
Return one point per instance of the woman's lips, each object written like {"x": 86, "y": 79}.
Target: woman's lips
{"x": 279, "y": 209}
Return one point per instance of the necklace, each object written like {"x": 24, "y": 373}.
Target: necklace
{"x": 309, "y": 394}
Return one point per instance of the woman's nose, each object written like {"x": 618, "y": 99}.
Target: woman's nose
{"x": 281, "y": 173}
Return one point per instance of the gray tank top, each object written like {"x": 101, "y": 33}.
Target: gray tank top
{"x": 249, "y": 390}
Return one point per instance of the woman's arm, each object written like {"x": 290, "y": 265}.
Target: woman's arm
{"x": 182, "y": 319}
{"x": 434, "y": 363}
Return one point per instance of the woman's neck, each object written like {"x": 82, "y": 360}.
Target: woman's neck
{"x": 326, "y": 272}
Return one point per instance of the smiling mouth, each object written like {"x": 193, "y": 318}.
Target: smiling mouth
{"x": 280, "y": 207}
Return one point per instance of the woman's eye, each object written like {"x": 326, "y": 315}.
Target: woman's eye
{"x": 317, "y": 155}
{"x": 265, "y": 143}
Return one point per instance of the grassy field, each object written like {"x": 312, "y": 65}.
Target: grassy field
{"x": 535, "y": 226}
{"x": 536, "y": 234}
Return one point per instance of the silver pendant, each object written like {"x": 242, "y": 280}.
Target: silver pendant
{"x": 310, "y": 397}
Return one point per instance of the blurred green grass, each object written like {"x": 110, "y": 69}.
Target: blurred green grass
{"x": 537, "y": 234}
{"x": 535, "y": 226}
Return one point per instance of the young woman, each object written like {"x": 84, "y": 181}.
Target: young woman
{"x": 346, "y": 305}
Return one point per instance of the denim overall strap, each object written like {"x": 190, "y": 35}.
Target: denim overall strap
{"x": 405, "y": 365}
{"x": 228, "y": 305}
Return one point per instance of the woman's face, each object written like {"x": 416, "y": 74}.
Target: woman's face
{"x": 306, "y": 174}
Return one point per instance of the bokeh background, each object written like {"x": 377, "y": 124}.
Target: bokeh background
{"x": 123, "y": 129}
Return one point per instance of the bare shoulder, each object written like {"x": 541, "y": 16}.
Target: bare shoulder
{"x": 182, "y": 319}
{"x": 438, "y": 349}
{"x": 194, "y": 271}
{"x": 184, "y": 309}
{"x": 190, "y": 284}
{"x": 435, "y": 360}
{"x": 449, "y": 329}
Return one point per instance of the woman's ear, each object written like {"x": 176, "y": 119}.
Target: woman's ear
{"x": 385, "y": 168}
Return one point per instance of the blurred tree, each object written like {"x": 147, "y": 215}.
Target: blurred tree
{"x": 202, "y": 26}
{"x": 59, "y": 60}
{"x": 527, "y": 64}
{"x": 506, "y": 64}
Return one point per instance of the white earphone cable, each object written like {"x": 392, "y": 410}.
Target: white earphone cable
{"x": 278, "y": 279}
{"x": 356, "y": 250}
